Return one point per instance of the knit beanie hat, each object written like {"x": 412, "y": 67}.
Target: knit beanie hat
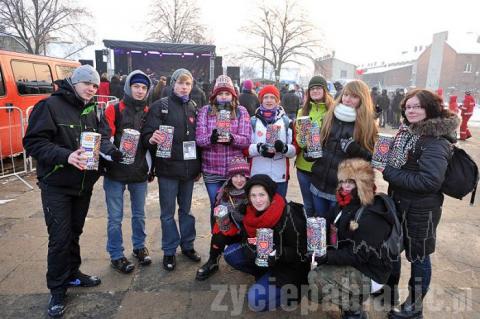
{"x": 269, "y": 89}
{"x": 86, "y": 74}
{"x": 317, "y": 80}
{"x": 262, "y": 180}
{"x": 178, "y": 73}
{"x": 223, "y": 83}
{"x": 248, "y": 85}
{"x": 140, "y": 78}
{"x": 238, "y": 165}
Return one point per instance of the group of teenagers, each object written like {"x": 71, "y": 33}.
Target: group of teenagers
{"x": 248, "y": 174}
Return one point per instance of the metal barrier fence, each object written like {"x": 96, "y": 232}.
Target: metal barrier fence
{"x": 13, "y": 124}
{"x": 12, "y": 131}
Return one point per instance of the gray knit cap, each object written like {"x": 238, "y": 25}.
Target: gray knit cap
{"x": 178, "y": 73}
{"x": 85, "y": 73}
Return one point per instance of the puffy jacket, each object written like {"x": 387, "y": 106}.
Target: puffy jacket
{"x": 362, "y": 248}
{"x": 278, "y": 166}
{"x": 53, "y": 133}
{"x": 324, "y": 169}
{"x": 216, "y": 157}
{"x": 415, "y": 187}
{"x": 468, "y": 105}
{"x": 317, "y": 112}
{"x": 182, "y": 116}
{"x": 250, "y": 101}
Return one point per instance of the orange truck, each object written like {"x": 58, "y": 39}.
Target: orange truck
{"x": 25, "y": 79}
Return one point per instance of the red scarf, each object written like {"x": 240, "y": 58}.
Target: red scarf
{"x": 268, "y": 219}
{"x": 343, "y": 198}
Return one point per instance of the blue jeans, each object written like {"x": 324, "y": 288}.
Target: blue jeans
{"x": 304, "y": 181}
{"x": 262, "y": 295}
{"x": 282, "y": 188}
{"x": 114, "y": 197}
{"x": 181, "y": 191}
{"x": 212, "y": 190}
{"x": 420, "y": 274}
{"x": 322, "y": 206}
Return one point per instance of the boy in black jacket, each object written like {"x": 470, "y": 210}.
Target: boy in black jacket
{"x": 53, "y": 139}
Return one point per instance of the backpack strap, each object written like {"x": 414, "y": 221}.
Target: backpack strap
{"x": 286, "y": 123}
{"x": 163, "y": 109}
{"x": 118, "y": 115}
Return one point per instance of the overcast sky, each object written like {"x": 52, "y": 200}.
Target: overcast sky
{"x": 359, "y": 31}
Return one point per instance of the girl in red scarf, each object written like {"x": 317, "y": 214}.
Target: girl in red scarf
{"x": 286, "y": 264}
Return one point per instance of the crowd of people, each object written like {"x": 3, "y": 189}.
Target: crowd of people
{"x": 246, "y": 172}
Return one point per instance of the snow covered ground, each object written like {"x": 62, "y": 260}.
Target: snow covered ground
{"x": 475, "y": 119}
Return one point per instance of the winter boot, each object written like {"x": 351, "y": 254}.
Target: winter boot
{"x": 208, "y": 269}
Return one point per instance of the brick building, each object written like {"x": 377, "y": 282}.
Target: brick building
{"x": 451, "y": 62}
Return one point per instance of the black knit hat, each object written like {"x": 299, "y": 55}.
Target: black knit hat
{"x": 317, "y": 80}
{"x": 262, "y": 180}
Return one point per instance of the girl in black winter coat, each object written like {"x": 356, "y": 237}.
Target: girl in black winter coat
{"x": 356, "y": 255}
{"x": 415, "y": 172}
{"x": 287, "y": 267}
{"x": 348, "y": 131}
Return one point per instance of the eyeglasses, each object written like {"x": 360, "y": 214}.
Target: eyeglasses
{"x": 413, "y": 107}
{"x": 347, "y": 181}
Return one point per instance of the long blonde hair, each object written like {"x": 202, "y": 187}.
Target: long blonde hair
{"x": 365, "y": 130}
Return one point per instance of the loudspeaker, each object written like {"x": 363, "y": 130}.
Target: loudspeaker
{"x": 100, "y": 65}
{"x": 218, "y": 67}
{"x": 234, "y": 73}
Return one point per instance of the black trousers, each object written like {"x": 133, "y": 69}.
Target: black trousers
{"x": 219, "y": 241}
{"x": 65, "y": 216}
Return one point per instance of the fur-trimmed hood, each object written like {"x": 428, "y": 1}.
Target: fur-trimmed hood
{"x": 446, "y": 126}
{"x": 362, "y": 173}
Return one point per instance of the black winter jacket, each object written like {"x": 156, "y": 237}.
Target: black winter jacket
{"x": 131, "y": 115}
{"x": 324, "y": 170}
{"x": 249, "y": 101}
{"x": 290, "y": 243}
{"x": 415, "y": 187}
{"x": 290, "y": 102}
{"x": 53, "y": 133}
{"x": 182, "y": 116}
{"x": 362, "y": 248}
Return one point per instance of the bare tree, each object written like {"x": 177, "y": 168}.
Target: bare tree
{"x": 176, "y": 21}
{"x": 35, "y": 22}
{"x": 286, "y": 33}
{"x": 248, "y": 72}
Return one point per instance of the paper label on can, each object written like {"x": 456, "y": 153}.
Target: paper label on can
{"x": 164, "y": 149}
{"x": 90, "y": 142}
{"x": 128, "y": 145}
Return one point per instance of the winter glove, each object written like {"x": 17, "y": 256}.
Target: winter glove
{"x": 280, "y": 147}
{"x": 116, "y": 156}
{"x": 230, "y": 140}
{"x": 308, "y": 158}
{"x": 272, "y": 260}
{"x": 345, "y": 144}
{"x": 214, "y": 137}
{"x": 263, "y": 150}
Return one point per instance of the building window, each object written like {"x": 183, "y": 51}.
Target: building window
{"x": 343, "y": 74}
{"x": 468, "y": 68}
{"x": 2, "y": 84}
{"x": 32, "y": 78}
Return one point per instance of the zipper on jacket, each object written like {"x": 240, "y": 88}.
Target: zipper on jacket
{"x": 56, "y": 168}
